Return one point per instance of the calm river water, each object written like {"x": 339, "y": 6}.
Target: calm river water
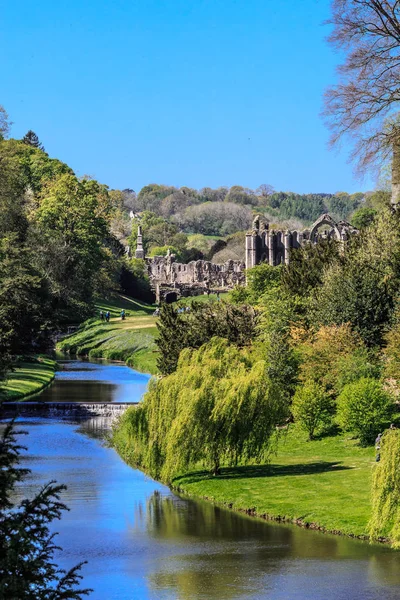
{"x": 143, "y": 542}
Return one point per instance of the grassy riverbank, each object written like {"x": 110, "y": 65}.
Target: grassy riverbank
{"x": 29, "y": 376}
{"x": 325, "y": 482}
{"x": 132, "y": 340}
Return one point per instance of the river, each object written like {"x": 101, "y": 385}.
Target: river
{"x": 143, "y": 542}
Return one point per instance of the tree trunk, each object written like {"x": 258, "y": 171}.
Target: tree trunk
{"x": 395, "y": 200}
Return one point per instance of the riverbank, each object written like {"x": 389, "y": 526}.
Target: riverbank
{"x": 131, "y": 340}
{"x": 30, "y": 376}
{"x": 323, "y": 484}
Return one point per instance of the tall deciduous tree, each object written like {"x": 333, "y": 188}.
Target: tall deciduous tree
{"x": 368, "y": 90}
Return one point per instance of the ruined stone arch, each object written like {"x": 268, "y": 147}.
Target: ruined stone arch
{"x": 324, "y": 220}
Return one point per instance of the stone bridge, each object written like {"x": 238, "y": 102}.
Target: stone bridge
{"x": 64, "y": 409}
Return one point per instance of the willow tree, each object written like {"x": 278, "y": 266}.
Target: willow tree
{"x": 385, "y": 519}
{"x": 218, "y": 407}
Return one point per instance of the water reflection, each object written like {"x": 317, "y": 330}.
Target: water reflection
{"x": 83, "y": 381}
{"x": 143, "y": 542}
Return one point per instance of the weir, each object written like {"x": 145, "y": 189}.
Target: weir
{"x": 64, "y": 409}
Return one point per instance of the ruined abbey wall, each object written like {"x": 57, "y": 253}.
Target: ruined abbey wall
{"x": 274, "y": 247}
{"x": 171, "y": 280}
{"x": 193, "y": 278}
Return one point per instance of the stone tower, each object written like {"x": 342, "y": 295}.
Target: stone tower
{"x": 139, "y": 244}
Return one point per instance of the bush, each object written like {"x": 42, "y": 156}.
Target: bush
{"x": 312, "y": 407}
{"x": 364, "y": 407}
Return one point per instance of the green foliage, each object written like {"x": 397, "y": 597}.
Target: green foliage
{"x": 31, "y": 139}
{"x": 392, "y": 351}
{"x": 24, "y": 304}
{"x": 135, "y": 281}
{"x": 312, "y": 408}
{"x": 218, "y": 407}
{"x": 192, "y": 329}
{"x": 4, "y": 123}
{"x": 363, "y": 217}
{"x": 260, "y": 279}
{"x": 27, "y": 568}
{"x": 385, "y": 518}
{"x": 333, "y": 357}
{"x": 307, "y": 264}
{"x": 71, "y": 224}
{"x": 364, "y": 407}
{"x": 274, "y": 337}
{"x": 362, "y": 288}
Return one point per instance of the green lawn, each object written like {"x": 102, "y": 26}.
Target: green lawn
{"x": 202, "y": 298}
{"x": 131, "y": 340}
{"x": 326, "y": 482}
{"x": 29, "y": 377}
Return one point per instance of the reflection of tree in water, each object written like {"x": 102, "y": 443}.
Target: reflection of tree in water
{"x": 98, "y": 428}
{"x": 216, "y": 553}
{"x": 64, "y": 390}
{"x": 385, "y": 567}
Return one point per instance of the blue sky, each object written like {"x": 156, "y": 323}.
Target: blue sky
{"x": 180, "y": 92}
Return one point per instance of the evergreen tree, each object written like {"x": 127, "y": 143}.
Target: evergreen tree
{"x": 27, "y": 570}
{"x": 31, "y": 139}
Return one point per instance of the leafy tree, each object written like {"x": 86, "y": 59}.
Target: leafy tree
{"x": 312, "y": 407}
{"x": 31, "y": 139}
{"x": 330, "y": 355}
{"x": 307, "y": 265}
{"x": 134, "y": 280}
{"x": 362, "y": 288}
{"x": 4, "y": 123}
{"x": 385, "y": 517}
{"x": 27, "y": 568}
{"x": 241, "y": 195}
{"x": 215, "y": 218}
{"x": 70, "y": 227}
{"x": 177, "y": 331}
{"x": 364, "y": 407}
{"x": 218, "y": 407}
{"x": 363, "y": 217}
{"x": 24, "y": 300}
{"x": 260, "y": 279}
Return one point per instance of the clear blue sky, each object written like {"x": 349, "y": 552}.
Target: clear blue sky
{"x": 181, "y": 92}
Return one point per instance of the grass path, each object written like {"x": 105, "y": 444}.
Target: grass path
{"x": 131, "y": 340}
{"x": 29, "y": 377}
{"x": 325, "y": 482}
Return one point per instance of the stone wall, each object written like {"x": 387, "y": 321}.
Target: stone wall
{"x": 194, "y": 278}
{"x": 274, "y": 246}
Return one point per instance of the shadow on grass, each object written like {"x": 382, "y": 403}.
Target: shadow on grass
{"x": 254, "y": 471}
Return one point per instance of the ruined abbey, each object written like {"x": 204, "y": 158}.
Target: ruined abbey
{"x": 172, "y": 280}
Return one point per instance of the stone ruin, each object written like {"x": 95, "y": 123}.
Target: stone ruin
{"x": 274, "y": 246}
{"x": 172, "y": 280}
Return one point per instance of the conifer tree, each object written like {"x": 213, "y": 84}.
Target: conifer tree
{"x": 27, "y": 570}
{"x": 31, "y": 139}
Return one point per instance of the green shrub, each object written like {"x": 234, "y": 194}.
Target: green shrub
{"x": 364, "y": 407}
{"x": 312, "y": 407}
